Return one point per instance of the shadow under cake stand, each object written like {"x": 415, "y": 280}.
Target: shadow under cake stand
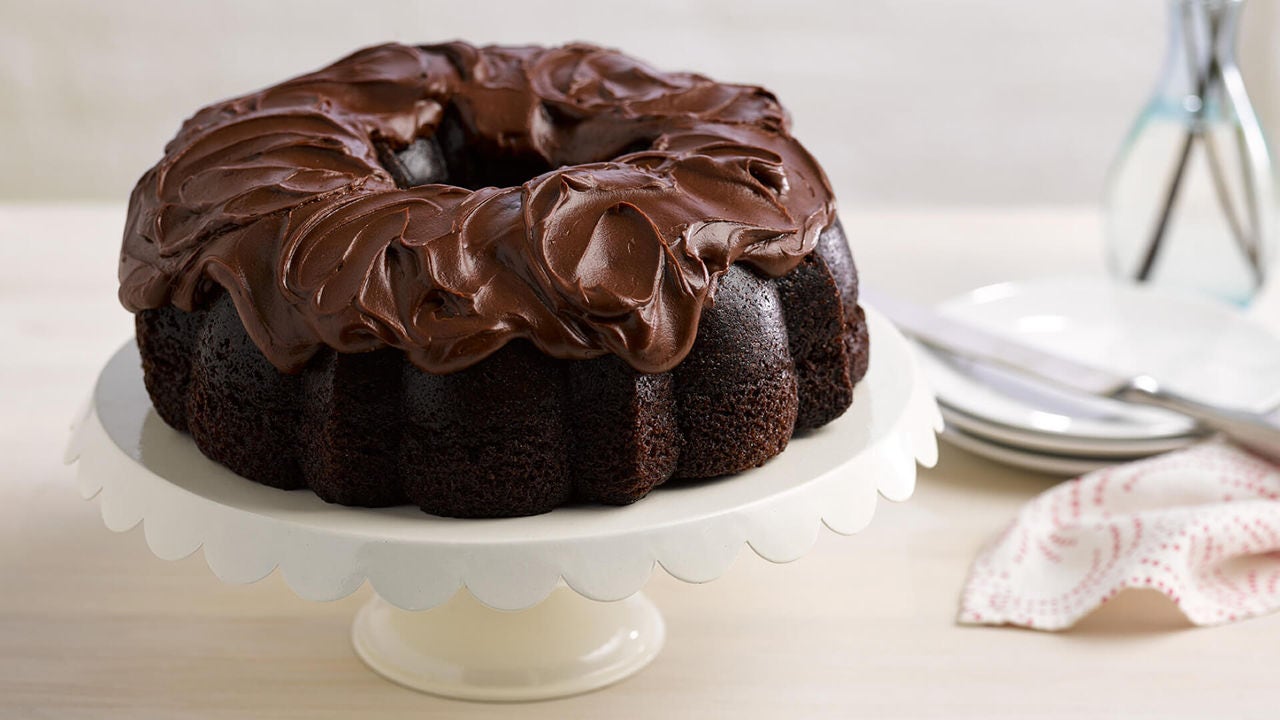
{"x": 552, "y": 604}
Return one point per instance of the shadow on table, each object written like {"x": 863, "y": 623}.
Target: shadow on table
{"x": 962, "y": 470}
{"x": 1131, "y": 613}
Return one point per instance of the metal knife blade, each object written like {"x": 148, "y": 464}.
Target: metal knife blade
{"x": 969, "y": 341}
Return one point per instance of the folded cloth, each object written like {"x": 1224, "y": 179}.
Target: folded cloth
{"x": 1201, "y": 525}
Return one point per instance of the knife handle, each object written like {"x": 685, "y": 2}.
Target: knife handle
{"x": 1254, "y": 431}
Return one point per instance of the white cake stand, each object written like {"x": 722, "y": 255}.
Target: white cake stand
{"x": 554, "y": 605}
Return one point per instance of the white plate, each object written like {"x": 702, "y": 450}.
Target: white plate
{"x": 1049, "y": 464}
{"x": 1195, "y": 345}
{"x": 1059, "y": 444}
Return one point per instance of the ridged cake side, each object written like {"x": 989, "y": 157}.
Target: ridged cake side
{"x": 519, "y": 433}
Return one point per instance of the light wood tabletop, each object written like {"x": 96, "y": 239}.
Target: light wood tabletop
{"x": 92, "y": 625}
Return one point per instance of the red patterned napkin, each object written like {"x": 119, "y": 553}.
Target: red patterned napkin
{"x": 1200, "y": 525}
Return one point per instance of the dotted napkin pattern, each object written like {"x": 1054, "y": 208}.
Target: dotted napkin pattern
{"x": 1201, "y": 525}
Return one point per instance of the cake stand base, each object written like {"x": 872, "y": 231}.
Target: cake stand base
{"x": 564, "y": 645}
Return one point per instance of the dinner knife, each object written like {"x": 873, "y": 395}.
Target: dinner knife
{"x": 1255, "y": 431}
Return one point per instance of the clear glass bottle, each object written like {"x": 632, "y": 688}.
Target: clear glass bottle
{"x": 1190, "y": 198}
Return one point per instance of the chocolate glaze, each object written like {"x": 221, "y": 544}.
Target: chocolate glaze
{"x": 280, "y": 198}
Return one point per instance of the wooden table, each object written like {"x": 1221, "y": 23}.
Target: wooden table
{"x": 92, "y": 625}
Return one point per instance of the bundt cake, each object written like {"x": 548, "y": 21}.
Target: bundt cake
{"x": 491, "y": 281}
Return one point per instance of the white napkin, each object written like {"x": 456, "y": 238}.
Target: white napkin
{"x": 1200, "y": 525}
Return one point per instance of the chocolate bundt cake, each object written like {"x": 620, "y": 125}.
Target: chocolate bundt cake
{"x": 490, "y": 281}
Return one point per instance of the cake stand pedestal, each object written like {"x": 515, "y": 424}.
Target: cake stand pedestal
{"x": 507, "y": 609}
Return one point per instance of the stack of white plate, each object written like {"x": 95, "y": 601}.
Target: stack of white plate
{"x": 1193, "y": 344}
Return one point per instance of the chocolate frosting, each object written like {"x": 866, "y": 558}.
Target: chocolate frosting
{"x": 656, "y": 183}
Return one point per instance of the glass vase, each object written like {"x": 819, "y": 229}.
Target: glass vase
{"x": 1190, "y": 198}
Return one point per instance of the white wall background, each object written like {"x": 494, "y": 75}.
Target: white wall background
{"x": 904, "y": 101}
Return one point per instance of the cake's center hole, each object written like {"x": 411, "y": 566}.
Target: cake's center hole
{"x": 457, "y": 155}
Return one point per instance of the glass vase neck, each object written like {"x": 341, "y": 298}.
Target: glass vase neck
{"x": 1201, "y": 41}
